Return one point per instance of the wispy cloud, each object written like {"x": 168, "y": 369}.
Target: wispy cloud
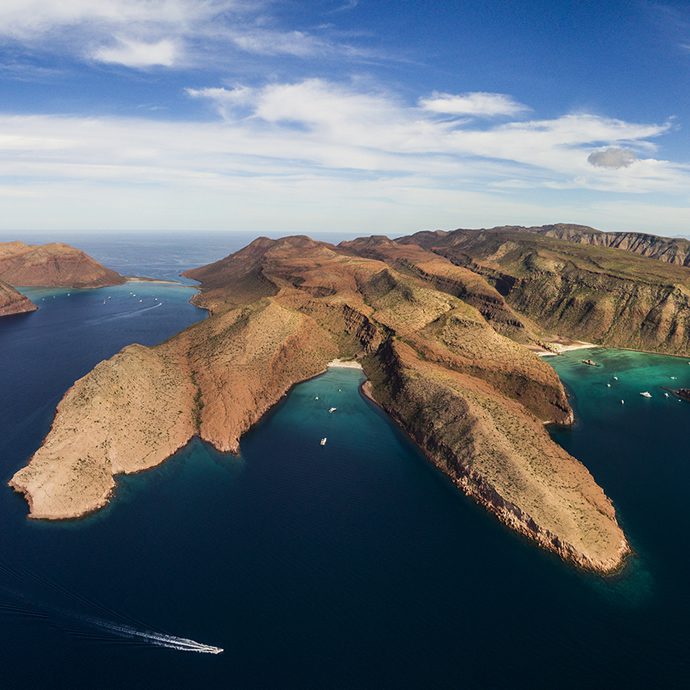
{"x": 131, "y": 53}
{"x": 474, "y": 104}
{"x": 163, "y": 33}
{"x": 316, "y": 150}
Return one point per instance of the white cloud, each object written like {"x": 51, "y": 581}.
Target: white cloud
{"x": 131, "y": 53}
{"x": 474, "y": 103}
{"x": 170, "y": 33}
{"x": 286, "y": 154}
{"x": 26, "y": 19}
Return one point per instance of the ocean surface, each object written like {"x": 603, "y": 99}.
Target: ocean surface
{"x": 349, "y": 565}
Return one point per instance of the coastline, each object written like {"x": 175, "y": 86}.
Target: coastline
{"x": 344, "y": 364}
{"x": 560, "y": 347}
{"x": 161, "y": 281}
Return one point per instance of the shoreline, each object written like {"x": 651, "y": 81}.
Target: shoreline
{"x": 561, "y": 347}
{"x": 344, "y": 364}
{"x": 161, "y": 281}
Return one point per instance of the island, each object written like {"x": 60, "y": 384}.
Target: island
{"x": 52, "y": 265}
{"x": 445, "y": 353}
{"x": 46, "y": 265}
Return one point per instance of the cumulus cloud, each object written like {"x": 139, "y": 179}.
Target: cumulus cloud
{"x": 474, "y": 103}
{"x": 612, "y": 157}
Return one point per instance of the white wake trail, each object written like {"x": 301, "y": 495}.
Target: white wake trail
{"x": 181, "y": 644}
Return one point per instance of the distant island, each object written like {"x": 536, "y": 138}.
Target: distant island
{"x": 46, "y": 265}
{"x": 446, "y": 327}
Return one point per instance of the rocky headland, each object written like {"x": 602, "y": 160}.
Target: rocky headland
{"x": 46, "y": 265}
{"x": 13, "y": 302}
{"x": 445, "y": 351}
{"x": 52, "y": 265}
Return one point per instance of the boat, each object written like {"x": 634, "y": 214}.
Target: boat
{"x": 646, "y": 394}
{"x": 332, "y": 409}
{"x": 323, "y": 441}
{"x": 590, "y": 362}
{"x": 622, "y": 402}
{"x": 608, "y": 385}
{"x": 683, "y": 394}
{"x": 615, "y": 378}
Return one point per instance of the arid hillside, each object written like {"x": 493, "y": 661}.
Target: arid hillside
{"x": 13, "y": 302}
{"x": 442, "y": 350}
{"x": 52, "y": 265}
{"x": 600, "y": 294}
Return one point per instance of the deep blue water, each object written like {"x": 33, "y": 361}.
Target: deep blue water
{"x": 354, "y": 565}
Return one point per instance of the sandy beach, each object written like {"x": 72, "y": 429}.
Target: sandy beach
{"x": 561, "y": 347}
{"x": 344, "y": 364}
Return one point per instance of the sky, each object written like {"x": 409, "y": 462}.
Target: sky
{"x": 366, "y": 116}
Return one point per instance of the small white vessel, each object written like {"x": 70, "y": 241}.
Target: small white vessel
{"x": 666, "y": 395}
{"x": 646, "y": 394}
{"x": 622, "y": 402}
{"x": 608, "y": 385}
{"x": 332, "y": 410}
{"x": 615, "y": 378}
{"x": 323, "y": 441}
{"x": 316, "y": 397}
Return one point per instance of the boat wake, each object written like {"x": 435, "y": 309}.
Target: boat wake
{"x": 131, "y": 629}
{"x": 124, "y": 314}
{"x": 181, "y": 644}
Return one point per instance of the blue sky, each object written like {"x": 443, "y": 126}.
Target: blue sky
{"x": 369, "y": 116}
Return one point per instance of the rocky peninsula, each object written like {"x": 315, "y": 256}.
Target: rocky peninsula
{"x": 445, "y": 354}
{"x": 13, "y": 302}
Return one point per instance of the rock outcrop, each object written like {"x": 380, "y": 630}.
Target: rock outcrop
{"x": 52, "y": 265}
{"x": 592, "y": 293}
{"x": 13, "y": 302}
{"x": 474, "y": 399}
{"x": 673, "y": 250}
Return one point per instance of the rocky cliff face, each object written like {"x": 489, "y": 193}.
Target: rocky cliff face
{"x": 472, "y": 398}
{"x": 585, "y": 292}
{"x": 673, "y": 250}
{"x": 13, "y": 302}
{"x": 52, "y": 265}
{"x": 500, "y": 456}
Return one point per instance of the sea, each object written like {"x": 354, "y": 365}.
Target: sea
{"x": 350, "y": 565}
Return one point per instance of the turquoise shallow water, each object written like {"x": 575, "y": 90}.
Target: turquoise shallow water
{"x": 354, "y": 565}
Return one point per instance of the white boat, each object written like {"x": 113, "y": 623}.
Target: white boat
{"x": 666, "y": 395}
{"x": 615, "y": 378}
{"x": 323, "y": 441}
{"x": 646, "y": 394}
{"x": 622, "y": 402}
{"x": 332, "y": 409}
{"x": 608, "y": 385}
{"x": 316, "y": 397}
